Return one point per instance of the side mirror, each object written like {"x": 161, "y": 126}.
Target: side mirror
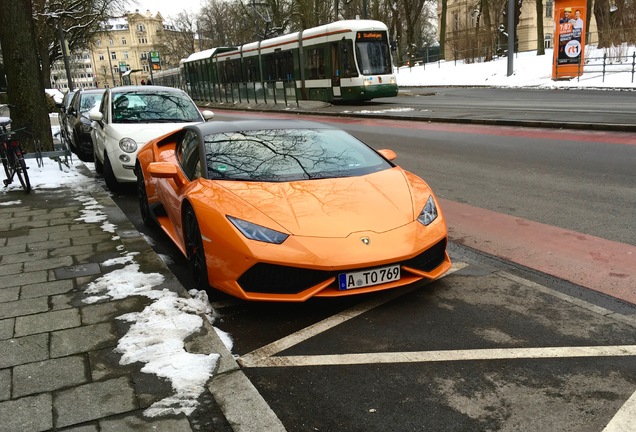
{"x": 388, "y": 154}
{"x": 165, "y": 170}
{"x": 207, "y": 115}
{"x": 96, "y": 116}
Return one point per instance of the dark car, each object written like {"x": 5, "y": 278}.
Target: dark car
{"x": 63, "y": 106}
{"x": 78, "y": 123}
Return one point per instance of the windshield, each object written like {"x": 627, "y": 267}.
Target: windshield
{"x": 372, "y": 53}
{"x": 154, "y": 107}
{"x": 89, "y": 101}
{"x": 289, "y": 155}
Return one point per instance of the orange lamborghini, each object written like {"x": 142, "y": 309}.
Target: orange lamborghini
{"x": 285, "y": 210}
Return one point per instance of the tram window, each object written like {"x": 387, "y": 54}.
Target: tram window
{"x": 373, "y": 57}
{"x": 269, "y": 67}
{"x": 348, "y": 69}
{"x": 251, "y": 69}
{"x": 287, "y": 66}
{"x": 315, "y": 63}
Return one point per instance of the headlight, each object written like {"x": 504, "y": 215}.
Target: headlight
{"x": 128, "y": 145}
{"x": 257, "y": 232}
{"x": 429, "y": 212}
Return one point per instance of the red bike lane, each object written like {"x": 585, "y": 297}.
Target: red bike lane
{"x": 602, "y": 265}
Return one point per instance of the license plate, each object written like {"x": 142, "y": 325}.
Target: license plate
{"x": 376, "y": 276}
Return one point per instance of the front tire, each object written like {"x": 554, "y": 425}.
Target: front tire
{"x": 142, "y": 195}
{"x": 109, "y": 176}
{"x": 194, "y": 250}
{"x": 99, "y": 166}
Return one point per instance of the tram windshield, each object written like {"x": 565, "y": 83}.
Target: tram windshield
{"x": 372, "y": 53}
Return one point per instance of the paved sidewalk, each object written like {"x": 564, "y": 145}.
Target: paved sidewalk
{"x": 59, "y": 366}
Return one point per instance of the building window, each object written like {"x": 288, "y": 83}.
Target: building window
{"x": 142, "y": 40}
{"x": 113, "y": 56}
{"x": 116, "y": 69}
{"x": 141, "y": 27}
{"x": 547, "y": 41}
{"x": 101, "y": 57}
{"x": 125, "y": 54}
{"x": 110, "y": 42}
{"x": 146, "y": 68}
{"x": 549, "y": 8}
{"x": 144, "y": 55}
{"x": 123, "y": 41}
{"x": 98, "y": 42}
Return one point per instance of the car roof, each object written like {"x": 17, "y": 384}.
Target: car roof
{"x": 89, "y": 91}
{"x": 213, "y": 127}
{"x": 145, "y": 89}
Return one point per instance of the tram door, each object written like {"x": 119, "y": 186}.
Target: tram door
{"x": 335, "y": 69}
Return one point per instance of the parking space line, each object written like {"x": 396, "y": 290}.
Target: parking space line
{"x": 624, "y": 419}
{"x": 332, "y": 321}
{"x": 442, "y": 356}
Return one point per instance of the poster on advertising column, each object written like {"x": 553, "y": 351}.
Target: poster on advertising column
{"x": 569, "y": 39}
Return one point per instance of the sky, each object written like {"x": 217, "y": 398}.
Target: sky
{"x": 169, "y": 319}
{"x": 167, "y": 8}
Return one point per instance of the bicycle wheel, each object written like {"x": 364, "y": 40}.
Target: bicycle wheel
{"x": 5, "y": 164}
{"x": 21, "y": 170}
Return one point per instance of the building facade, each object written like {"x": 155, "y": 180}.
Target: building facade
{"x": 124, "y": 53}
{"x": 119, "y": 54}
{"x": 465, "y": 40}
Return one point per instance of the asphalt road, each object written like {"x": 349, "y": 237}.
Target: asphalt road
{"x": 492, "y": 345}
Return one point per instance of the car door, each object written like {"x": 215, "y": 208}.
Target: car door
{"x": 170, "y": 193}
{"x": 72, "y": 117}
{"x": 99, "y": 137}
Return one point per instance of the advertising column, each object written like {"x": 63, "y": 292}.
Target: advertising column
{"x": 569, "y": 39}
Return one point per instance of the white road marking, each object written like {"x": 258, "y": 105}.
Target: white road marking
{"x": 441, "y": 356}
{"x": 332, "y": 321}
{"x": 625, "y": 418}
{"x": 623, "y": 421}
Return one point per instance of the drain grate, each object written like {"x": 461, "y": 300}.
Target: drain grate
{"x": 77, "y": 271}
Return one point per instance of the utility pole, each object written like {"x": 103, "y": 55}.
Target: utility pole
{"x": 511, "y": 35}
{"x": 110, "y": 63}
{"x": 67, "y": 66}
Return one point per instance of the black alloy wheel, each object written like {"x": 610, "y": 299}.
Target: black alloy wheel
{"x": 142, "y": 195}
{"x": 194, "y": 250}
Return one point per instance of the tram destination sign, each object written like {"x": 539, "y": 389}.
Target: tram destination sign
{"x": 367, "y": 36}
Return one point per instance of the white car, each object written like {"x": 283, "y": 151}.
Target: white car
{"x": 128, "y": 118}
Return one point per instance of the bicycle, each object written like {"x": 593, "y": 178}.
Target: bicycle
{"x": 12, "y": 156}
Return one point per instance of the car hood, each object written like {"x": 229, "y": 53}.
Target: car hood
{"x": 143, "y": 132}
{"x": 376, "y": 202}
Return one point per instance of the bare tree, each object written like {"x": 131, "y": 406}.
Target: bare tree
{"x": 540, "y": 35}
{"x": 616, "y": 22}
{"x": 79, "y": 20}
{"x": 24, "y": 77}
{"x": 179, "y": 44}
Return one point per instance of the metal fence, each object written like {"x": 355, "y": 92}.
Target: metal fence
{"x": 276, "y": 92}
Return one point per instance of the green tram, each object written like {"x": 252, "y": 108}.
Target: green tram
{"x": 341, "y": 61}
